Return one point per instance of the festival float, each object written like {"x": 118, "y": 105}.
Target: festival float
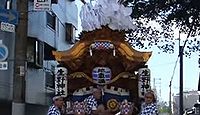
{"x": 103, "y": 58}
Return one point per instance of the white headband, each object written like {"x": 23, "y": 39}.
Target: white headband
{"x": 56, "y": 97}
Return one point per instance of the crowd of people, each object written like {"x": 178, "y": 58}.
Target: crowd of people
{"x": 93, "y": 105}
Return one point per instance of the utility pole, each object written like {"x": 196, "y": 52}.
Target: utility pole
{"x": 199, "y": 77}
{"x": 170, "y": 98}
{"x": 197, "y": 105}
{"x": 199, "y": 85}
{"x": 181, "y": 80}
{"x": 20, "y": 64}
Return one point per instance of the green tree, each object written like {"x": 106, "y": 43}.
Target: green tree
{"x": 163, "y": 108}
{"x": 181, "y": 14}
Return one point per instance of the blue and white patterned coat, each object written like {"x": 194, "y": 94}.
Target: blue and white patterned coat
{"x": 90, "y": 104}
{"x": 53, "y": 110}
{"x": 150, "y": 109}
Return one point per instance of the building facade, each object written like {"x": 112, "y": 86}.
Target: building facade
{"x": 50, "y": 30}
{"x": 189, "y": 99}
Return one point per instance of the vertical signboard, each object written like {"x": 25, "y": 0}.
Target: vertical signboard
{"x": 42, "y": 5}
{"x": 60, "y": 81}
{"x": 144, "y": 81}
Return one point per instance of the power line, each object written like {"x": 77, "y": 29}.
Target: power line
{"x": 170, "y": 85}
{"x": 174, "y": 69}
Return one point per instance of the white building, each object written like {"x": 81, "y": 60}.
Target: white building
{"x": 47, "y": 30}
{"x": 189, "y": 99}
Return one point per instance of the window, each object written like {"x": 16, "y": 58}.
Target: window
{"x": 35, "y": 53}
{"x": 39, "y": 53}
{"x": 48, "y": 52}
{"x": 54, "y": 1}
{"x": 51, "y": 20}
{"x": 69, "y": 33}
{"x": 50, "y": 80}
{"x": 42, "y": 0}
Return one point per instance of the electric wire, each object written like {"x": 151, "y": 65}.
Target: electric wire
{"x": 174, "y": 70}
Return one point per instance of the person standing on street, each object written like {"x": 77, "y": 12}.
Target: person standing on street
{"x": 56, "y": 108}
{"x": 149, "y": 107}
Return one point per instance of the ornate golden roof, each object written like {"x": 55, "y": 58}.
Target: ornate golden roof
{"x": 80, "y": 63}
{"x": 78, "y": 58}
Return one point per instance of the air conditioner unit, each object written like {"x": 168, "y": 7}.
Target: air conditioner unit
{"x": 35, "y": 53}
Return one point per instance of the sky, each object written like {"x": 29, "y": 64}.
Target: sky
{"x": 162, "y": 66}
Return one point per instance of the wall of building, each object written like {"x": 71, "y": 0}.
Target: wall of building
{"x": 37, "y": 28}
{"x": 38, "y": 96}
{"x": 35, "y": 88}
{"x": 66, "y": 12}
{"x": 189, "y": 99}
{"x": 6, "y": 76}
{"x": 37, "y": 93}
{"x": 35, "y": 109}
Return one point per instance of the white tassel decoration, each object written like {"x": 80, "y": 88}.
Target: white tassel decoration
{"x": 90, "y": 52}
{"x": 114, "y": 52}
